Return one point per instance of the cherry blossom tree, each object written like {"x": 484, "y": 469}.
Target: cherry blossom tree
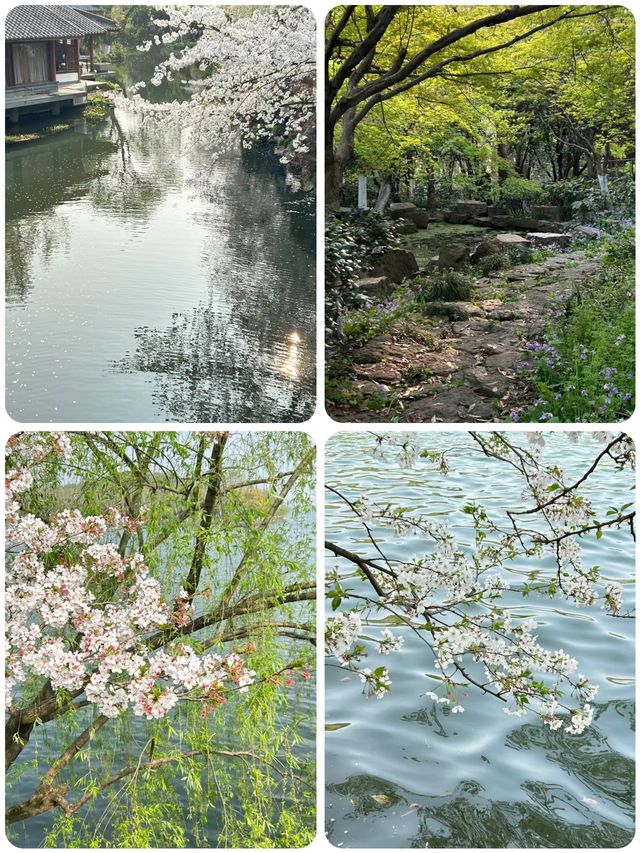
{"x": 189, "y": 589}
{"x": 251, "y": 71}
{"x": 460, "y": 601}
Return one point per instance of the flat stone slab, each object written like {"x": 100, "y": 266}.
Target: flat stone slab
{"x": 487, "y": 383}
{"x": 472, "y": 208}
{"x": 548, "y": 238}
{"x": 381, "y": 373}
{"x": 449, "y": 406}
{"x": 512, "y": 240}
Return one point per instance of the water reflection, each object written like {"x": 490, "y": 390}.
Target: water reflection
{"x": 153, "y": 284}
{"x": 538, "y": 814}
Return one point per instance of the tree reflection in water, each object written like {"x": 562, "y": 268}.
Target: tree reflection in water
{"x": 544, "y": 815}
{"x": 247, "y": 351}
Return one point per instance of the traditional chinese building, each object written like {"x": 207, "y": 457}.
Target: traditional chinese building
{"x": 42, "y": 54}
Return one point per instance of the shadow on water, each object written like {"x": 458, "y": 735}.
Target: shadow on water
{"x": 538, "y": 815}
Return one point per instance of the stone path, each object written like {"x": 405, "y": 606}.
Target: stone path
{"x": 461, "y": 364}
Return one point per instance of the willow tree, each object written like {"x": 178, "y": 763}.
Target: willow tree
{"x": 160, "y": 632}
{"x": 378, "y": 53}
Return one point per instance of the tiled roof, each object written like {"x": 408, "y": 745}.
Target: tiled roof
{"x": 53, "y": 22}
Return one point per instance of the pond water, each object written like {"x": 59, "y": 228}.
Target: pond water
{"x": 400, "y": 773}
{"x": 148, "y": 281}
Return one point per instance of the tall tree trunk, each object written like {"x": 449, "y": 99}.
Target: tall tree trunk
{"x": 337, "y": 157}
{"x": 503, "y": 169}
{"x": 431, "y": 194}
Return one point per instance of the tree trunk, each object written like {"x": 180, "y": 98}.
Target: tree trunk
{"x": 337, "y": 158}
{"x": 503, "y": 170}
{"x": 383, "y": 195}
{"x": 431, "y": 194}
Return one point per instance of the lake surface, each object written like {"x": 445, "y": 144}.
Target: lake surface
{"x": 147, "y": 281}
{"x": 401, "y": 773}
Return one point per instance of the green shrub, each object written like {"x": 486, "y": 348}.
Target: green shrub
{"x": 518, "y": 194}
{"x": 447, "y": 286}
{"x": 353, "y": 243}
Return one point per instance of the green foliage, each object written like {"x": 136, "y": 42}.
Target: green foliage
{"x": 353, "y": 242}
{"x": 517, "y": 194}
{"x": 584, "y": 370}
{"x": 447, "y": 286}
{"x": 98, "y": 106}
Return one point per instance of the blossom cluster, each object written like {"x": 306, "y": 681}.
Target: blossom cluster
{"x": 456, "y": 594}
{"x": 79, "y": 613}
{"x": 255, "y": 74}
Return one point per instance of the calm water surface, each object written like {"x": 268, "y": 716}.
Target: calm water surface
{"x": 400, "y": 773}
{"x": 148, "y": 282}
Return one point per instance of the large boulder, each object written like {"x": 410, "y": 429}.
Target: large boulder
{"x": 498, "y": 244}
{"x": 406, "y": 226}
{"x": 521, "y": 223}
{"x": 472, "y": 208}
{"x": 550, "y": 212}
{"x": 453, "y": 256}
{"x": 396, "y": 264}
{"x": 545, "y": 238}
{"x": 421, "y": 217}
{"x": 376, "y": 288}
{"x": 587, "y": 232}
{"x": 401, "y": 209}
{"x": 496, "y": 210}
{"x": 408, "y": 210}
{"x": 455, "y": 218}
{"x": 511, "y": 241}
